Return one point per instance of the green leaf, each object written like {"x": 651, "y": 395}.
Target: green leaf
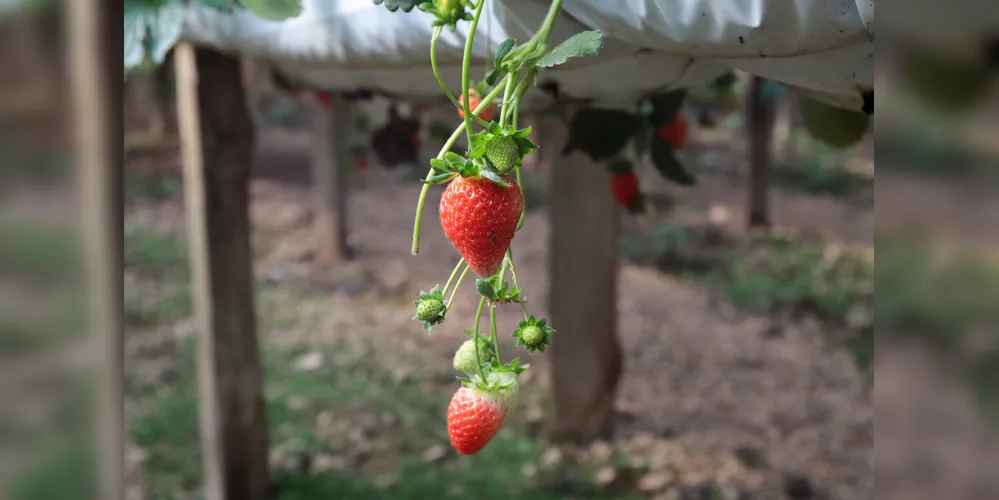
{"x": 223, "y": 5}
{"x": 667, "y": 163}
{"x": 578, "y": 45}
{"x": 600, "y": 133}
{"x": 485, "y": 288}
{"x": 151, "y": 30}
{"x": 274, "y": 10}
{"x": 492, "y": 76}
{"x": 665, "y": 107}
{"x": 405, "y": 5}
{"x": 501, "y": 52}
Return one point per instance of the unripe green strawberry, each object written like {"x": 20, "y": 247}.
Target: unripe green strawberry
{"x": 533, "y": 334}
{"x": 429, "y": 309}
{"x": 510, "y": 394}
{"x": 464, "y": 357}
{"x": 503, "y": 153}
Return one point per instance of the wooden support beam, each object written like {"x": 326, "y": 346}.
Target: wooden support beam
{"x": 211, "y": 101}
{"x": 90, "y": 47}
{"x": 329, "y": 138}
{"x": 760, "y": 120}
{"x": 585, "y": 353}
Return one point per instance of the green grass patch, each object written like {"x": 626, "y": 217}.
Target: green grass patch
{"x": 33, "y": 252}
{"x": 942, "y": 299}
{"x": 352, "y": 410}
{"x": 155, "y": 253}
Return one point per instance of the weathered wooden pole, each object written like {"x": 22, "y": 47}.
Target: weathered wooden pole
{"x": 585, "y": 353}
{"x": 760, "y": 117}
{"x": 329, "y": 138}
{"x": 90, "y": 47}
{"x": 216, "y": 145}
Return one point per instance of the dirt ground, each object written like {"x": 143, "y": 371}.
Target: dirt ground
{"x": 710, "y": 392}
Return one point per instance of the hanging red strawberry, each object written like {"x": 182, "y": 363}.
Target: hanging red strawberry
{"x": 325, "y": 99}
{"x": 675, "y": 134}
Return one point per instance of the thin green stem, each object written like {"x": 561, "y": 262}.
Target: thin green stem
{"x": 457, "y": 285}
{"x": 494, "y": 334}
{"x": 454, "y": 273}
{"x": 508, "y": 94}
{"x": 475, "y": 336}
{"x": 486, "y": 100}
{"x": 546, "y": 27}
{"x": 466, "y": 67}
{"x": 513, "y": 272}
{"x": 433, "y": 65}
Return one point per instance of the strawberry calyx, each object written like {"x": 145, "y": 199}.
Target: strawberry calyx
{"x": 497, "y": 291}
{"x": 447, "y": 12}
{"x": 430, "y": 309}
{"x": 533, "y": 334}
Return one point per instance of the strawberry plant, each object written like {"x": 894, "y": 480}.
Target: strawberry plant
{"x": 482, "y": 208}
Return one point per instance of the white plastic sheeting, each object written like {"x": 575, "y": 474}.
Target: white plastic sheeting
{"x": 821, "y": 46}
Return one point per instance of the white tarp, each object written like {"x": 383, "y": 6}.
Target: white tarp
{"x": 821, "y": 46}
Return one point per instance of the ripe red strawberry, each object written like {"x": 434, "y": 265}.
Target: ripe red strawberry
{"x": 487, "y": 114}
{"x": 676, "y": 133}
{"x": 473, "y": 418}
{"x": 624, "y": 186}
{"x": 325, "y": 99}
{"x": 480, "y": 217}
{"x": 361, "y": 161}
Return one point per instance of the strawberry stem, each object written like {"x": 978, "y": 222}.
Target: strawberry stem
{"x": 433, "y": 65}
{"x": 466, "y": 67}
{"x": 507, "y": 99}
{"x": 454, "y": 273}
{"x": 486, "y": 100}
{"x": 457, "y": 285}
{"x": 475, "y": 329}
{"x": 516, "y": 283}
{"x": 494, "y": 333}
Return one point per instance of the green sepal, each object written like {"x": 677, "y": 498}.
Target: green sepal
{"x": 493, "y": 176}
{"x": 439, "y": 178}
{"x": 485, "y": 288}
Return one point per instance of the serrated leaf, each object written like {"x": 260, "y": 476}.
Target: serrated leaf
{"x": 222, "y": 5}
{"x": 151, "y": 30}
{"x": 578, "y": 45}
{"x": 485, "y": 288}
{"x": 394, "y": 5}
{"x": 665, "y": 107}
{"x": 669, "y": 165}
{"x": 274, "y": 10}
{"x": 600, "y": 133}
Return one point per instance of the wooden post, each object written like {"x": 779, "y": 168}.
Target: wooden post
{"x": 760, "y": 123}
{"x": 216, "y": 175}
{"x": 90, "y": 45}
{"x": 585, "y": 353}
{"x": 329, "y": 136}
